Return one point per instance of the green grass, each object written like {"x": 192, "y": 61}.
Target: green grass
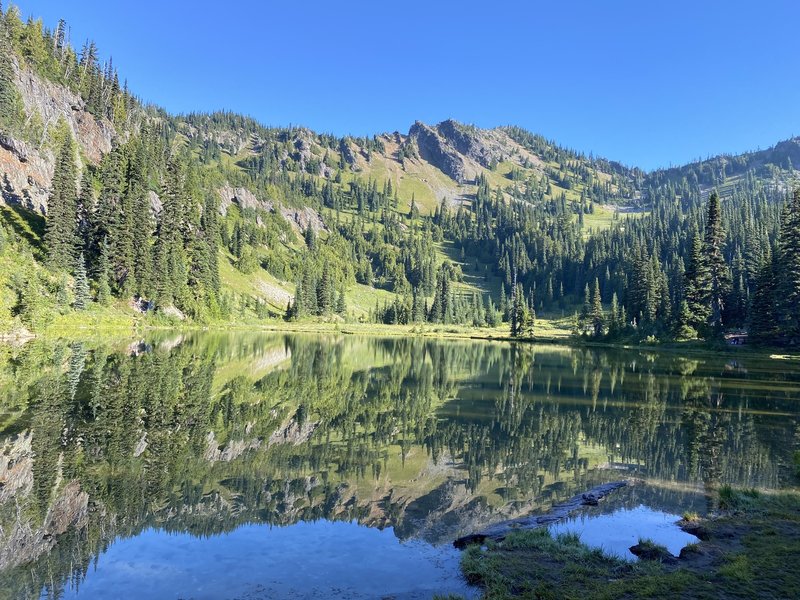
{"x": 751, "y": 553}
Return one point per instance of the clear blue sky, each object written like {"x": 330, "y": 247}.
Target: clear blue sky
{"x": 647, "y": 83}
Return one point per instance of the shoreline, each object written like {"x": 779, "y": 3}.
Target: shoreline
{"x": 554, "y": 336}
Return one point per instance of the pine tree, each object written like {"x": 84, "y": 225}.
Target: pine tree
{"x": 341, "y": 302}
{"x": 764, "y": 305}
{"x": 103, "y": 275}
{"x": 789, "y": 270}
{"x": 596, "y": 315}
{"x": 614, "y": 325}
{"x": 697, "y": 284}
{"x": 82, "y": 294}
{"x": 11, "y": 108}
{"x": 61, "y": 232}
{"x": 519, "y": 311}
{"x": 714, "y": 261}
{"x": 143, "y": 246}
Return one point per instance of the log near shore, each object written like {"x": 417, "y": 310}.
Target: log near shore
{"x": 561, "y": 511}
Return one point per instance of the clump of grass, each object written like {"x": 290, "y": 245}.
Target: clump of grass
{"x": 731, "y": 499}
{"x": 691, "y": 517}
{"x": 695, "y": 547}
{"x": 737, "y": 567}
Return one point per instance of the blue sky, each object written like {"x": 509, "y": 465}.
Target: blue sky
{"x": 647, "y": 83}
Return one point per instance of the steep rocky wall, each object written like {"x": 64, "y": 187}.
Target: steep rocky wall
{"x": 25, "y": 174}
{"x": 26, "y": 170}
{"x": 53, "y": 102}
{"x": 435, "y": 150}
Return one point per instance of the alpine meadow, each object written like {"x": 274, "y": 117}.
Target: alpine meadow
{"x": 325, "y": 359}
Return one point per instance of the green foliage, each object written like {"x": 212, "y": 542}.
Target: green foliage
{"x": 82, "y": 292}
{"x": 61, "y": 233}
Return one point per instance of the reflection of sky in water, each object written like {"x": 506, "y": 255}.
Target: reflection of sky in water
{"x": 616, "y": 532}
{"x": 308, "y": 560}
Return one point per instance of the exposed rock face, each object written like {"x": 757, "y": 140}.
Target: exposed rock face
{"x": 470, "y": 142}
{"x": 243, "y": 197}
{"x": 174, "y": 312}
{"x": 347, "y": 152}
{"x": 155, "y": 202}
{"x": 24, "y": 540}
{"x": 16, "y": 467}
{"x": 54, "y": 102}
{"x": 299, "y": 218}
{"x": 293, "y": 433}
{"x": 434, "y": 149}
{"x": 303, "y": 218}
{"x": 231, "y": 451}
{"x": 25, "y": 174}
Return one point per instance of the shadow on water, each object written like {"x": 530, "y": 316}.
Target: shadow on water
{"x": 186, "y": 452}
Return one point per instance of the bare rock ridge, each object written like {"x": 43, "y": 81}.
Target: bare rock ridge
{"x": 435, "y": 149}
{"x": 459, "y": 151}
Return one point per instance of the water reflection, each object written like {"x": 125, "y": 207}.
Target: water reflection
{"x": 203, "y": 433}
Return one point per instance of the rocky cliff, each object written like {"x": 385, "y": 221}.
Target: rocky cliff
{"x": 26, "y": 168}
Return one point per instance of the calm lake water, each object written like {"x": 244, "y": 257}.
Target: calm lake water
{"x": 271, "y": 465}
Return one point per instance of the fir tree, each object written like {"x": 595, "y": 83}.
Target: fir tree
{"x": 714, "y": 261}
{"x": 103, "y": 275}
{"x": 82, "y": 295}
{"x": 596, "y": 315}
{"x": 697, "y": 283}
{"x": 789, "y": 270}
{"x": 61, "y": 233}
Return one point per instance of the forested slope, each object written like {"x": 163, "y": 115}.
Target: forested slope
{"x": 110, "y": 206}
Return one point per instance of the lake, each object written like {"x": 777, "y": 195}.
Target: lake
{"x": 264, "y": 465}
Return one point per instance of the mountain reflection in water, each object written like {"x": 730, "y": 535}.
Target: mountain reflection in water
{"x": 202, "y": 434}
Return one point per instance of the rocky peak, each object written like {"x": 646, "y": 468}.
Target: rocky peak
{"x": 437, "y": 150}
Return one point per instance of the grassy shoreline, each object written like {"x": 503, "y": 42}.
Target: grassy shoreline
{"x": 747, "y": 549}
{"x": 113, "y": 321}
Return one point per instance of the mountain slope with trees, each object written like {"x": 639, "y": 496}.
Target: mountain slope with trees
{"x": 111, "y": 205}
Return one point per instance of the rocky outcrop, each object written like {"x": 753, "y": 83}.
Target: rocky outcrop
{"x": 242, "y": 197}
{"x": 434, "y": 149}
{"x": 155, "y": 202}
{"x": 470, "y": 142}
{"x": 25, "y": 174}
{"x": 26, "y": 170}
{"x": 459, "y": 151}
{"x": 231, "y": 451}
{"x": 54, "y": 102}
{"x": 303, "y": 218}
{"x": 346, "y": 149}
{"x": 293, "y": 433}
{"x": 16, "y": 467}
{"x": 24, "y": 541}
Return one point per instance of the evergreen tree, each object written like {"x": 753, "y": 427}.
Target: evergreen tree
{"x": 596, "y": 315}
{"x": 696, "y": 291}
{"x": 11, "y": 109}
{"x": 103, "y": 275}
{"x": 82, "y": 295}
{"x": 714, "y": 261}
{"x": 61, "y": 232}
{"x": 789, "y": 270}
{"x": 764, "y": 306}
